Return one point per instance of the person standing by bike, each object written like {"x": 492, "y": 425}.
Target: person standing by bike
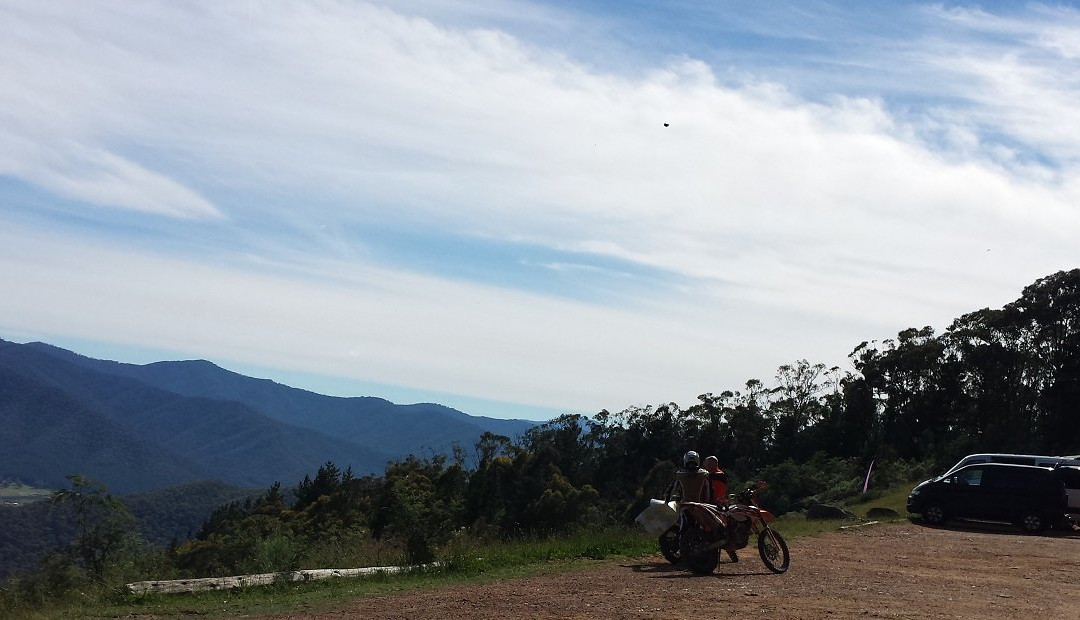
{"x": 718, "y": 481}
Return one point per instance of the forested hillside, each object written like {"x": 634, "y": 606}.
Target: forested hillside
{"x": 30, "y": 531}
{"x": 48, "y": 434}
{"x": 137, "y": 428}
{"x": 372, "y": 423}
{"x": 62, "y": 419}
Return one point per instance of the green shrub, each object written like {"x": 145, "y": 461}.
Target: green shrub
{"x": 276, "y": 553}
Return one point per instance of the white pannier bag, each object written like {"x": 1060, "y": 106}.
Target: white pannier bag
{"x": 658, "y": 517}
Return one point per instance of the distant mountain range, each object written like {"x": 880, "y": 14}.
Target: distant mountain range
{"x": 142, "y": 427}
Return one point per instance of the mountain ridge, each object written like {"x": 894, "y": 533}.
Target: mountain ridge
{"x": 420, "y": 427}
{"x": 175, "y": 422}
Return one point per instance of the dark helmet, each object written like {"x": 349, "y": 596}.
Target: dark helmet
{"x": 691, "y": 460}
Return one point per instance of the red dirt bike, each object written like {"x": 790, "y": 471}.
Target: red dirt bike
{"x": 705, "y": 529}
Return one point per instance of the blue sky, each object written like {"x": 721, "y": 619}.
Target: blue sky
{"x": 480, "y": 204}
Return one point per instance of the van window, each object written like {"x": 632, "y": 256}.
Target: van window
{"x": 1006, "y": 479}
{"x": 972, "y": 476}
{"x": 1070, "y": 476}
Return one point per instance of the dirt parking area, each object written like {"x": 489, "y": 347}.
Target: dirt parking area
{"x": 883, "y": 571}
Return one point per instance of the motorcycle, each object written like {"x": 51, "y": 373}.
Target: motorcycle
{"x": 704, "y": 529}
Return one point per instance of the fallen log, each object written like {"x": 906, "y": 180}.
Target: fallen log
{"x": 178, "y": 586}
{"x": 848, "y": 527}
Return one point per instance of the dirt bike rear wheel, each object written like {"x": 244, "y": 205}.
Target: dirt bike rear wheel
{"x": 669, "y": 545}
{"x": 695, "y": 552}
{"x": 773, "y": 550}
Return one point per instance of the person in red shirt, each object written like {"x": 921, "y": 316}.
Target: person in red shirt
{"x": 719, "y": 482}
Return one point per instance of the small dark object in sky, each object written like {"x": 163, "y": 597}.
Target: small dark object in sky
{"x": 665, "y": 124}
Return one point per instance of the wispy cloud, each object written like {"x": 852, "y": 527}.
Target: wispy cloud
{"x": 472, "y": 202}
{"x": 1019, "y": 78}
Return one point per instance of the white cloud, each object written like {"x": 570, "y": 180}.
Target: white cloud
{"x": 62, "y": 110}
{"x": 1019, "y": 75}
{"x": 98, "y": 177}
{"x": 368, "y": 324}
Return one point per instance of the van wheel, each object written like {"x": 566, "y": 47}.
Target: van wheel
{"x": 1032, "y": 523}
{"x": 934, "y": 514}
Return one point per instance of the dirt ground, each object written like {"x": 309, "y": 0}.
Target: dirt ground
{"x": 883, "y": 571}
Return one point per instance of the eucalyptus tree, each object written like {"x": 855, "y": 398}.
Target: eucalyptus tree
{"x": 103, "y": 525}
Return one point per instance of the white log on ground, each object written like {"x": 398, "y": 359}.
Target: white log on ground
{"x": 177, "y": 586}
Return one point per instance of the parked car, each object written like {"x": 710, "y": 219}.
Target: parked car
{"x": 1031, "y": 497}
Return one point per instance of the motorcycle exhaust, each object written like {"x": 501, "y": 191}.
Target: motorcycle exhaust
{"x": 717, "y": 545}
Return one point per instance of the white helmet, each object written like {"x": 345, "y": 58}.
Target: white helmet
{"x": 691, "y": 460}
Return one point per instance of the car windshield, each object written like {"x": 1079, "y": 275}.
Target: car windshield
{"x": 962, "y": 463}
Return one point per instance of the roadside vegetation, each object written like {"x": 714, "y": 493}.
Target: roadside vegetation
{"x": 568, "y": 490}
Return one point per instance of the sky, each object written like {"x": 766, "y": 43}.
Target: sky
{"x": 525, "y": 209}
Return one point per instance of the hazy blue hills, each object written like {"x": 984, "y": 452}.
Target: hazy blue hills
{"x": 142, "y": 427}
{"x": 372, "y": 422}
{"x": 47, "y": 434}
{"x": 135, "y": 437}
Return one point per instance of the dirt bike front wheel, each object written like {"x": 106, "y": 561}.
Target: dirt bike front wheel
{"x": 773, "y": 550}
